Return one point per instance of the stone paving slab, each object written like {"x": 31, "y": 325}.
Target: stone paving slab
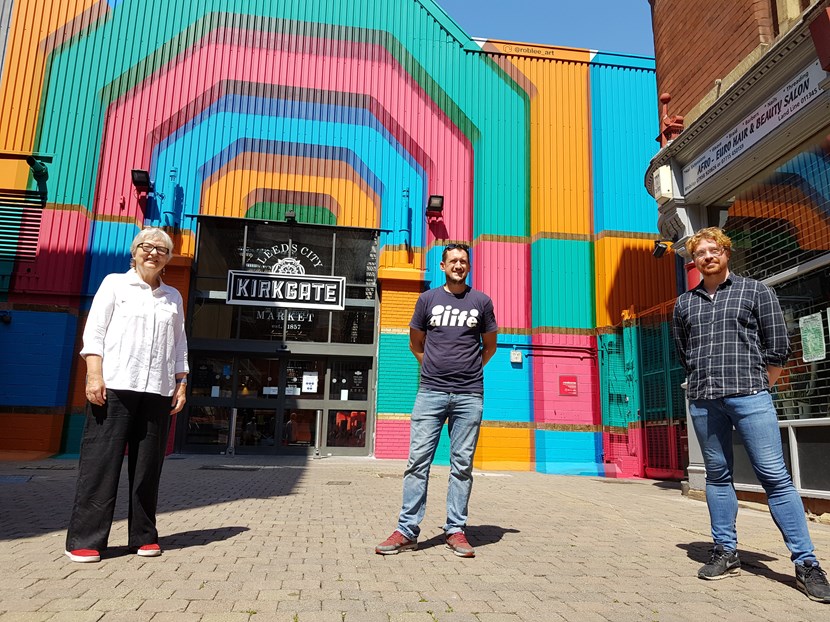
{"x": 292, "y": 540}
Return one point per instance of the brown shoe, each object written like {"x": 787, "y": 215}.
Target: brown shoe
{"x": 396, "y": 543}
{"x": 457, "y": 543}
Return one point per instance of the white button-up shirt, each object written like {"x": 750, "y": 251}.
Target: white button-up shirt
{"x": 138, "y": 332}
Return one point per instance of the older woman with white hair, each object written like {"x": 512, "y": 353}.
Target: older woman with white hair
{"x": 135, "y": 349}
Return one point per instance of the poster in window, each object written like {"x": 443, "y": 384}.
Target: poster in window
{"x": 813, "y": 347}
{"x": 309, "y": 382}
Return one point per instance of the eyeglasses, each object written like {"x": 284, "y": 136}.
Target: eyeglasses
{"x": 461, "y": 247}
{"x": 714, "y": 252}
{"x": 149, "y": 248}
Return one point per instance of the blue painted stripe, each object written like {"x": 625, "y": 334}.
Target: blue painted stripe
{"x": 569, "y": 453}
{"x": 508, "y": 387}
{"x": 227, "y": 121}
{"x": 623, "y": 124}
{"x": 44, "y": 363}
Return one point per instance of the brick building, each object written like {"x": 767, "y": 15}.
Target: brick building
{"x": 749, "y": 88}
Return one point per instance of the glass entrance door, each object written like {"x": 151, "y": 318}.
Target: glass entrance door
{"x": 290, "y": 404}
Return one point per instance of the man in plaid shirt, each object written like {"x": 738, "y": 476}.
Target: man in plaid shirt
{"x": 732, "y": 340}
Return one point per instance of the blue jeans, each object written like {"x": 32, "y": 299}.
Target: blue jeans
{"x": 462, "y": 412}
{"x": 755, "y": 419}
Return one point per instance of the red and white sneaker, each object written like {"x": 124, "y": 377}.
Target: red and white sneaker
{"x": 458, "y": 544}
{"x": 83, "y": 556}
{"x": 149, "y": 550}
{"x": 396, "y": 543}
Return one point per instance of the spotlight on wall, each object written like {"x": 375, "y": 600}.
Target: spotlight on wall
{"x": 435, "y": 205}
{"x": 660, "y": 248}
{"x": 290, "y": 216}
{"x": 39, "y": 170}
{"x": 6, "y": 317}
{"x": 141, "y": 180}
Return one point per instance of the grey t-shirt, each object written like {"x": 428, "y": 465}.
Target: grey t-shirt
{"x": 454, "y": 324}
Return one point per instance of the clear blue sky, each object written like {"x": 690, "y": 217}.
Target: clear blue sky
{"x": 622, "y": 26}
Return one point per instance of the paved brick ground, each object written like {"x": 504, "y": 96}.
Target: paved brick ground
{"x": 291, "y": 540}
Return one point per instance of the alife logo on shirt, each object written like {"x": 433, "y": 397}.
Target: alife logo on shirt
{"x": 447, "y": 315}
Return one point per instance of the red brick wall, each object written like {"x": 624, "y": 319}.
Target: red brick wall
{"x": 699, "y": 41}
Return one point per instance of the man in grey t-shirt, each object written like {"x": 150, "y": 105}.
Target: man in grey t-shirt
{"x": 453, "y": 335}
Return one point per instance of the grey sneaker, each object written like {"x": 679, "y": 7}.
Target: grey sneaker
{"x": 722, "y": 565}
{"x": 812, "y": 580}
{"x": 396, "y": 543}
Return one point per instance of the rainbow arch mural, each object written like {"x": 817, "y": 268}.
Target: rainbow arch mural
{"x": 351, "y": 115}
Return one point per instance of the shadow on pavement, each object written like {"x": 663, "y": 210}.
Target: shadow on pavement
{"x": 478, "y": 535}
{"x": 42, "y": 502}
{"x": 199, "y": 537}
{"x": 667, "y": 485}
{"x": 181, "y": 540}
{"x": 751, "y": 561}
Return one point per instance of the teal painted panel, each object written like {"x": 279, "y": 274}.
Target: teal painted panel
{"x": 73, "y": 433}
{"x": 623, "y": 61}
{"x": 6, "y": 270}
{"x": 563, "y": 284}
{"x": 442, "y": 452}
{"x": 398, "y": 374}
{"x": 303, "y": 213}
{"x": 624, "y": 123}
{"x": 618, "y": 378}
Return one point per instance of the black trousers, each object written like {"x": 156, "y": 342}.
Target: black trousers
{"x": 138, "y": 422}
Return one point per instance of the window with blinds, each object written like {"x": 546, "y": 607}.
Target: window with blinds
{"x": 20, "y": 214}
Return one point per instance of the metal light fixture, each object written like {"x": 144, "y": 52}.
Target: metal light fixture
{"x": 39, "y": 170}
{"x": 435, "y": 205}
{"x": 141, "y": 180}
{"x": 660, "y": 248}
{"x": 290, "y": 216}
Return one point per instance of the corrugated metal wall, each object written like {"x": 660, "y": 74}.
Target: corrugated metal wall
{"x": 5, "y": 22}
{"x": 629, "y": 277}
{"x": 622, "y": 89}
{"x": 351, "y": 114}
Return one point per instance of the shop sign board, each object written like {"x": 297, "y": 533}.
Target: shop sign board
{"x": 791, "y": 98}
{"x": 296, "y": 291}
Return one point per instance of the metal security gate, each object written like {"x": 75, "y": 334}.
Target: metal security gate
{"x": 666, "y": 448}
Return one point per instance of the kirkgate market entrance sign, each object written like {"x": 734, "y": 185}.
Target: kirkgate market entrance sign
{"x": 297, "y": 291}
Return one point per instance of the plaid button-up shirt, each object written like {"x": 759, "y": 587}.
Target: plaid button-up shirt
{"x": 726, "y": 342}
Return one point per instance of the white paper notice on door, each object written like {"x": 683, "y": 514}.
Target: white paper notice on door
{"x": 813, "y": 347}
{"x": 309, "y": 382}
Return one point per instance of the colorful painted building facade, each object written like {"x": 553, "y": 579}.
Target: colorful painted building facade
{"x": 348, "y": 116}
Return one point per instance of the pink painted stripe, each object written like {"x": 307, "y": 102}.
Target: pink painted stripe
{"x": 274, "y": 59}
{"x": 555, "y": 368}
{"x": 392, "y": 440}
{"x": 624, "y": 454}
{"x": 502, "y": 270}
{"x": 59, "y": 265}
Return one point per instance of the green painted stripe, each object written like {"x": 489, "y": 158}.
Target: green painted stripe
{"x": 563, "y": 284}
{"x": 304, "y": 213}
